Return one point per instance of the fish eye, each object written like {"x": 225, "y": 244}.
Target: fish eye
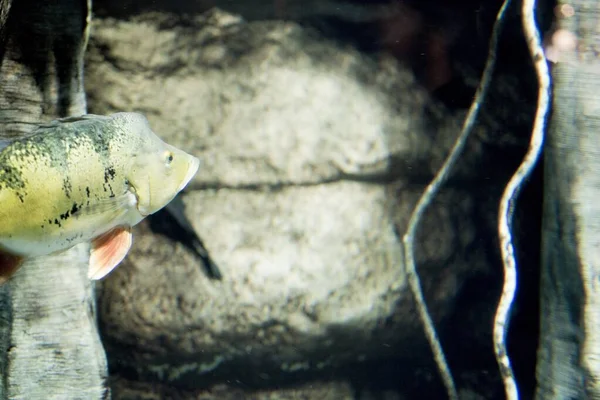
{"x": 169, "y": 157}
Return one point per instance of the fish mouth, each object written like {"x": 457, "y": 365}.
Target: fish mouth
{"x": 192, "y": 169}
{"x": 137, "y": 202}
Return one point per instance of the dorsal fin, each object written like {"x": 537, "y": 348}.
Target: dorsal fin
{"x": 72, "y": 119}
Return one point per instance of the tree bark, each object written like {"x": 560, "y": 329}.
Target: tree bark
{"x": 50, "y": 343}
{"x": 569, "y": 350}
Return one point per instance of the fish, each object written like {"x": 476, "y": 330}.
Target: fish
{"x": 88, "y": 178}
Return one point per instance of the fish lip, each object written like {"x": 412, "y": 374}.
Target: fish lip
{"x": 143, "y": 214}
{"x": 137, "y": 202}
{"x": 194, "y": 165}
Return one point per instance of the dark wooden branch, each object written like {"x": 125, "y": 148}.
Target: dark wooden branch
{"x": 50, "y": 347}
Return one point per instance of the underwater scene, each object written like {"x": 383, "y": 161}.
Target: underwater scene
{"x": 287, "y": 199}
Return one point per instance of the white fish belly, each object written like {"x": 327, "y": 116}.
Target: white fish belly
{"x": 41, "y": 247}
{"x": 83, "y": 228}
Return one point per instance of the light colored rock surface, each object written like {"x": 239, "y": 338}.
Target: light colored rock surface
{"x": 263, "y": 103}
{"x": 303, "y": 261}
{"x": 311, "y": 154}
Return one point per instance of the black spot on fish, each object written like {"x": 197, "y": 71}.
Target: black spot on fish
{"x": 57, "y": 222}
{"x": 11, "y": 178}
{"x": 71, "y": 239}
{"x": 109, "y": 173}
{"x": 87, "y": 191}
{"x": 99, "y": 140}
{"x": 108, "y": 188}
{"x": 67, "y": 187}
{"x": 70, "y": 212}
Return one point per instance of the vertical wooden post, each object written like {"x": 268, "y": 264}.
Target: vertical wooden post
{"x": 49, "y": 342}
{"x": 569, "y": 349}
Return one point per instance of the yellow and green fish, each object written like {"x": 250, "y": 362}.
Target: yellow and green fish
{"x": 85, "y": 179}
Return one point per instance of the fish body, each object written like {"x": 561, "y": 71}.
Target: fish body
{"x": 85, "y": 179}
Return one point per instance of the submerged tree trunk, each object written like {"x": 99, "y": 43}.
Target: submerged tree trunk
{"x": 48, "y": 334}
{"x": 569, "y": 350}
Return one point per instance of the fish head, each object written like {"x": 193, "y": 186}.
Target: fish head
{"x": 157, "y": 172}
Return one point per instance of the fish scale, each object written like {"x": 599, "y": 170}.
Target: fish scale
{"x": 88, "y": 178}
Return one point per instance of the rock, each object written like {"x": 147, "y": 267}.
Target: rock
{"x": 124, "y": 389}
{"x": 215, "y": 85}
{"x": 250, "y": 10}
{"x": 313, "y": 157}
{"x": 173, "y": 223}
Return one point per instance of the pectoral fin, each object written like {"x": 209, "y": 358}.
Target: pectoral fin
{"x": 108, "y": 250}
{"x": 112, "y": 208}
{"x": 9, "y": 264}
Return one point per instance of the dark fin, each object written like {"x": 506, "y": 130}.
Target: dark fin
{"x": 75, "y": 118}
{"x": 9, "y": 264}
{"x": 108, "y": 250}
{"x": 67, "y": 121}
{"x": 172, "y": 223}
